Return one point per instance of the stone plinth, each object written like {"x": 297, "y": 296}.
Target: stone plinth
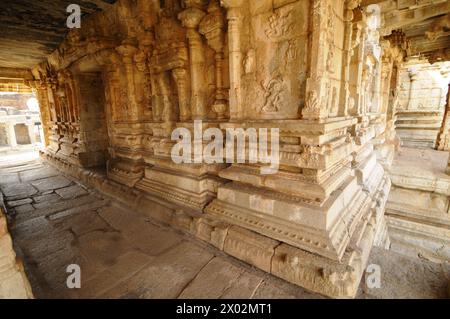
{"x": 418, "y": 207}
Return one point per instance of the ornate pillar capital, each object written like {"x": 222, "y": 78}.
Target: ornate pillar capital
{"x": 127, "y": 51}
{"x": 191, "y": 17}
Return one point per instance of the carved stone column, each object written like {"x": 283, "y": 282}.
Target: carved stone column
{"x": 386, "y": 75}
{"x": 350, "y": 5}
{"x": 317, "y": 93}
{"x": 234, "y": 18}
{"x": 413, "y": 74}
{"x": 31, "y": 133}
{"x": 212, "y": 26}
{"x": 191, "y": 18}
{"x": 12, "y": 140}
{"x": 444, "y": 136}
{"x": 41, "y": 93}
{"x": 181, "y": 79}
{"x": 168, "y": 114}
{"x": 128, "y": 51}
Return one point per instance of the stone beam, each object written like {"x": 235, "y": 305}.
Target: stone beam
{"x": 366, "y": 3}
{"x": 397, "y": 19}
{"x": 14, "y": 85}
{"x": 13, "y": 73}
{"x": 421, "y": 45}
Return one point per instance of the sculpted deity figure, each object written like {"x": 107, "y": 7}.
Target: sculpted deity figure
{"x": 274, "y": 98}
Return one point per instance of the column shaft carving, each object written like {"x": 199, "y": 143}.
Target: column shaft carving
{"x": 235, "y": 18}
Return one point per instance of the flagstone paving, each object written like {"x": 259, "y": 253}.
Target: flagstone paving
{"x": 56, "y": 222}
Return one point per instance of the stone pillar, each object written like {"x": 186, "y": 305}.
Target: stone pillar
{"x": 444, "y": 136}
{"x": 448, "y": 167}
{"x": 128, "y": 51}
{"x": 12, "y": 141}
{"x": 42, "y": 135}
{"x": 181, "y": 78}
{"x": 234, "y": 17}
{"x": 413, "y": 78}
{"x": 316, "y": 87}
{"x": 31, "y": 133}
{"x": 191, "y": 18}
{"x": 212, "y": 27}
{"x": 350, "y": 5}
{"x": 42, "y": 96}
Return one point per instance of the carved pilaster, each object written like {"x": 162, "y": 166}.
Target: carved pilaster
{"x": 350, "y": 6}
{"x": 191, "y": 18}
{"x": 181, "y": 79}
{"x": 234, "y": 17}
{"x": 128, "y": 51}
{"x": 212, "y": 27}
{"x": 316, "y": 86}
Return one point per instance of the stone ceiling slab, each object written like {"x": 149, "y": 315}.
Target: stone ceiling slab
{"x": 30, "y": 29}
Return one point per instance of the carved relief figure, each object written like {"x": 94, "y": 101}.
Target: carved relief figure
{"x": 279, "y": 25}
{"x": 273, "y": 94}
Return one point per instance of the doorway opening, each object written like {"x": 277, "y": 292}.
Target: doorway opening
{"x": 21, "y": 134}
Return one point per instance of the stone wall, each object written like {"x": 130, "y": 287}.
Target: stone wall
{"x": 419, "y": 205}
{"x": 17, "y": 101}
{"x": 317, "y": 70}
{"x": 13, "y": 281}
{"x": 422, "y": 101}
{"x": 3, "y": 135}
{"x": 22, "y": 134}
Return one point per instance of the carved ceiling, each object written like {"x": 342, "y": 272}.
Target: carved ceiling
{"x": 426, "y": 24}
{"x": 32, "y": 29}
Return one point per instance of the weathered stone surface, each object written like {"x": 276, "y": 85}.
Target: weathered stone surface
{"x": 24, "y": 209}
{"x": 336, "y": 82}
{"x": 71, "y": 192}
{"x": 422, "y": 99}
{"x": 49, "y": 198}
{"x": 62, "y": 208}
{"x": 219, "y": 271}
{"x": 92, "y": 206}
{"x": 84, "y": 222}
{"x": 167, "y": 275}
{"x": 211, "y": 231}
{"x": 102, "y": 248}
{"x": 24, "y": 46}
{"x": 245, "y": 286}
{"x": 51, "y": 183}
{"x": 9, "y": 178}
{"x": 20, "y": 202}
{"x": 417, "y": 210}
{"x": 139, "y": 231}
{"x": 13, "y": 281}
{"x": 254, "y": 249}
{"x": 127, "y": 266}
{"x": 36, "y": 174}
{"x": 280, "y": 290}
{"x": 403, "y": 277}
{"x": 163, "y": 263}
{"x": 19, "y": 191}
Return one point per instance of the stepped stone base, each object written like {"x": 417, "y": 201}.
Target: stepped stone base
{"x": 333, "y": 278}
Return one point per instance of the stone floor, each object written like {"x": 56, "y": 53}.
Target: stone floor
{"x": 56, "y": 222}
{"x": 22, "y": 153}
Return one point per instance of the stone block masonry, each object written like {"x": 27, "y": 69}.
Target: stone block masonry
{"x": 325, "y": 75}
{"x": 13, "y": 280}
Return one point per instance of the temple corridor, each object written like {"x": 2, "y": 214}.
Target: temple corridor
{"x": 56, "y": 221}
{"x": 225, "y": 149}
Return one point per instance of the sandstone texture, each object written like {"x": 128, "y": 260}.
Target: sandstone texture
{"x": 136, "y": 184}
